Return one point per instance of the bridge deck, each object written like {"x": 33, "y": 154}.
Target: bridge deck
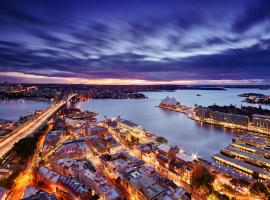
{"x": 7, "y": 142}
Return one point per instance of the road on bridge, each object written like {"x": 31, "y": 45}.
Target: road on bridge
{"x": 7, "y": 142}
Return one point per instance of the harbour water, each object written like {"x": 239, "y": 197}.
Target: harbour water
{"x": 13, "y": 109}
{"x": 204, "y": 140}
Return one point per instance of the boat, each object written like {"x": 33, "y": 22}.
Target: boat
{"x": 198, "y": 95}
{"x": 20, "y": 101}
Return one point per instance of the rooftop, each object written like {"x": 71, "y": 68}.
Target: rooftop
{"x": 242, "y": 165}
{"x": 148, "y": 186}
{"x": 53, "y": 134}
{"x": 184, "y": 156}
{"x": 169, "y": 101}
{"x": 49, "y": 174}
{"x": 247, "y": 155}
{"x": 76, "y": 147}
{"x": 164, "y": 147}
{"x": 3, "y": 192}
{"x": 129, "y": 123}
{"x": 254, "y": 139}
{"x": 75, "y": 164}
{"x": 74, "y": 184}
{"x": 261, "y": 116}
{"x": 32, "y": 193}
{"x": 249, "y": 147}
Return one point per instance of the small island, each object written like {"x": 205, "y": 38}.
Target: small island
{"x": 256, "y": 98}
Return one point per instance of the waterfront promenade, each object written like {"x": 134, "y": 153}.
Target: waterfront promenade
{"x": 189, "y": 111}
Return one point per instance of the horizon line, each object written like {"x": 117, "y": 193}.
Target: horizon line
{"x": 28, "y": 78}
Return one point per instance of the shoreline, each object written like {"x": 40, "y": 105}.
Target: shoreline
{"x": 26, "y": 99}
{"x": 255, "y": 103}
{"x": 218, "y": 124}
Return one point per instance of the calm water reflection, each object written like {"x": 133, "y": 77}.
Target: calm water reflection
{"x": 202, "y": 139}
{"x": 12, "y": 110}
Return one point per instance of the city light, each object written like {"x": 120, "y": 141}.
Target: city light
{"x": 194, "y": 156}
{"x": 135, "y": 100}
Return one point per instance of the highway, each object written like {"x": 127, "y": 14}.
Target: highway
{"x": 7, "y": 142}
{"x": 27, "y": 178}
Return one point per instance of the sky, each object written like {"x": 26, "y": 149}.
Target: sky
{"x": 135, "y": 42}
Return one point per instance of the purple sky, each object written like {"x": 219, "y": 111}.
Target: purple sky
{"x": 140, "y": 41}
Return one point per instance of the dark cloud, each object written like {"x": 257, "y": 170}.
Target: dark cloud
{"x": 191, "y": 41}
{"x": 229, "y": 65}
{"x": 215, "y": 40}
{"x": 11, "y": 13}
{"x": 96, "y": 35}
{"x": 254, "y": 15}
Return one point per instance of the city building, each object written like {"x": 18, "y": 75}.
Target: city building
{"x": 129, "y": 130}
{"x": 247, "y": 169}
{"x": 32, "y": 193}
{"x": 4, "y": 173}
{"x": 144, "y": 187}
{"x": 60, "y": 124}
{"x": 4, "y": 193}
{"x": 206, "y": 113}
{"x": 261, "y": 121}
{"x": 58, "y": 182}
{"x": 72, "y": 167}
{"x": 202, "y": 112}
{"x": 47, "y": 176}
{"x": 99, "y": 185}
{"x": 169, "y": 102}
{"x": 248, "y": 157}
{"x": 253, "y": 140}
{"x": 229, "y": 118}
{"x": 52, "y": 140}
{"x": 140, "y": 180}
{"x": 147, "y": 152}
{"x": 97, "y": 144}
{"x": 73, "y": 149}
{"x": 78, "y": 188}
{"x": 176, "y": 164}
{"x": 96, "y": 130}
{"x": 248, "y": 154}
{"x": 252, "y": 149}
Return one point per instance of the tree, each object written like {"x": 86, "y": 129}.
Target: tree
{"x": 25, "y": 147}
{"x": 258, "y": 187}
{"x": 204, "y": 179}
{"x": 8, "y": 182}
{"x": 243, "y": 182}
{"x": 161, "y": 139}
{"x": 134, "y": 140}
{"x": 234, "y": 182}
{"x": 219, "y": 196}
{"x": 239, "y": 182}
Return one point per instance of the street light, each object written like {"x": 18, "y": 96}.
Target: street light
{"x": 194, "y": 156}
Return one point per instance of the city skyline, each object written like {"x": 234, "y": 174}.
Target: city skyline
{"x": 135, "y": 42}
{"x": 135, "y": 99}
